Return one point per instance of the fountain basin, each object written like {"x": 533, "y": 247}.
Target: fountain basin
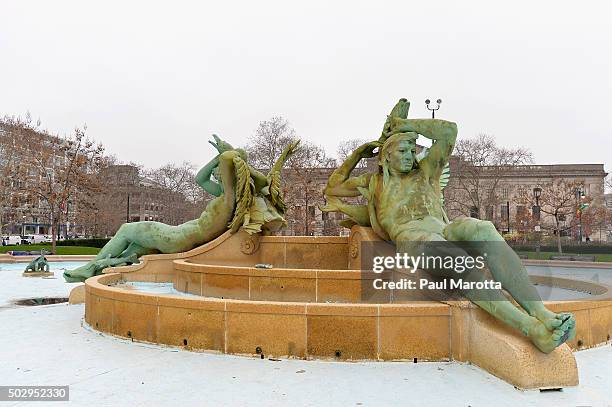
{"x": 310, "y": 307}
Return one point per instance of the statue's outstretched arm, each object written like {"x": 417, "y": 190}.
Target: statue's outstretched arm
{"x": 341, "y": 183}
{"x": 359, "y": 214}
{"x": 349, "y": 188}
{"x": 288, "y": 151}
{"x": 203, "y": 178}
{"x": 442, "y": 132}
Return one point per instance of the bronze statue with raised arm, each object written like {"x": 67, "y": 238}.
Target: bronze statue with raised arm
{"x": 244, "y": 198}
{"x": 405, "y": 206}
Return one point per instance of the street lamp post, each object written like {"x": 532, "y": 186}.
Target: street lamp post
{"x": 127, "y": 215}
{"x": 433, "y": 109}
{"x": 579, "y": 195}
{"x": 96, "y": 223}
{"x": 508, "y": 214}
{"x": 67, "y": 228}
{"x": 537, "y": 192}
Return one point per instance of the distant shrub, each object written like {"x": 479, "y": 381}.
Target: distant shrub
{"x": 591, "y": 248}
{"x": 98, "y": 242}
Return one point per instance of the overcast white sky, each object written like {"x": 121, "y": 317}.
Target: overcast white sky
{"x": 154, "y": 80}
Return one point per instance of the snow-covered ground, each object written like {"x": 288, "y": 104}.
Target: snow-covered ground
{"x": 14, "y": 286}
{"x": 48, "y": 345}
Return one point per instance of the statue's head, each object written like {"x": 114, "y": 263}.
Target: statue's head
{"x": 398, "y": 154}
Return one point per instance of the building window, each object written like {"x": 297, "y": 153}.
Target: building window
{"x": 505, "y": 192}
{"x": 503, "y": 211}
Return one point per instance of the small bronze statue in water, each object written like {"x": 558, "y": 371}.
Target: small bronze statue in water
{"x": 405, "y": 206}
{"x": 38, "y": 265}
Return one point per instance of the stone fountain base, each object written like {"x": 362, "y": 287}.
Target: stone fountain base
{"x": 309, "y": 306}
{"x": 37, "y": 274}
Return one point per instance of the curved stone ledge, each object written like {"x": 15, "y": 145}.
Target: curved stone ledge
{"x": 295, "y": 252}
{"x": 423, "y": 331}
{"x": 279, "y": 329}
{"x": 7, "y": 258}
{"x": 312, "y": 285}
{"x": 567, "y": 263}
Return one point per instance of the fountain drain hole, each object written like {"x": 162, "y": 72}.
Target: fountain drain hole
{"x": 33, "y": 302}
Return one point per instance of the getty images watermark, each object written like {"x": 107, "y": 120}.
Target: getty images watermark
{"x": 448, "y": 271}
{"x": 451, "y": 266}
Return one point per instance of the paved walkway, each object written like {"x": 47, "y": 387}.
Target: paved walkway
{"x": 49, "y": 346}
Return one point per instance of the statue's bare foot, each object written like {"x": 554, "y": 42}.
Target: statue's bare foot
{"x": 554, "y": 321}
{"x": 80, "y": 274}
{"x": 95, "y": 267}
{"x": 547, "y": 340}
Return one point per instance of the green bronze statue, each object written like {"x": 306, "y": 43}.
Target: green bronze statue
{"x": 244, "y": 198}
{"x": 405, "y": 206}
{"x": 38, "y": 265}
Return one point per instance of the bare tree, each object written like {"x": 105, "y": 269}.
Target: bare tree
{"x": 269, "y": 140}
{"x": 66, "y": 171}
{"x": 558, "y": 200}
{"x": 525, "y": 222}
{"x": 607, "y": 227}
{"x": 14, "y": 140}
{"x": 594, "y": 219}
{"x": 346, "y": 148}
{"x": 477, "y": 171}
{"x": 304, "y": 174}
{"x": 173, "y": 177}
{"x": 185, "y": 199}
{"x": 304, "y": 181}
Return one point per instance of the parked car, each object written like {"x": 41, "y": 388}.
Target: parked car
{"x": 35, "y": 239}
{"x": 11, "y": 240}
{"x": 74, "y": 237}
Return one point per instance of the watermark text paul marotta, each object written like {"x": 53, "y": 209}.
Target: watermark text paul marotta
{"x": 454, "y": 264}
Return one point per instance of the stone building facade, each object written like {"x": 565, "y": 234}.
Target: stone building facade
{"x": 21, "y": 210}
{"x": 303, "y": 194}
{"x": 508, "y": 183}
{"x": 511, "y": 180}
{"x": 130, "y": 197}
